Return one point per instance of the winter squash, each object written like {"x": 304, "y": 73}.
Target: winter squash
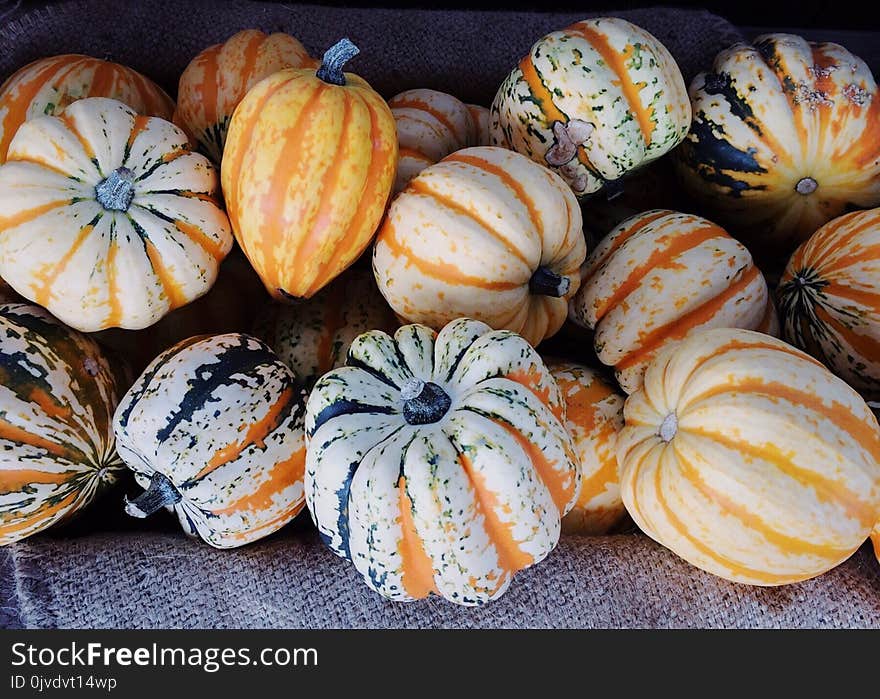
{"x": 106, "y": 218}
{"x": 213, "y": 430}
{"x": 829, "y": 299}
{"x": 217, "y": 79}
{"x": 227, "y": 307}
{"x": 480, "y": 118}
{"x": 430, "y": 126}
{"x": 594, "y": 417}
{"x": 593, "y": 102}
{"x": 785, "y": 136}
{"x": 313, "y": 336}
{"x": 308, "y": 166}
{"x": 57, "y": 396}
{"x": 439, "y": 463}
{"x": 49, "y": 85}
{"x": 656, "y": 278}
{"x": 749, "y": 459}
{"x": 485, "y": 233}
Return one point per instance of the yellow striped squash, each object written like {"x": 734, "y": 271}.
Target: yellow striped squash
{"x": 57, "y": 397}
{"x": 593, "y": 418}
{"x": 593, "y": 101}
{"x": 307, "y": 170}
{"x": 480, "y": 118}
{"x": 439, "y": 463}
{"x": 785, "y": 136}
{"x": 213, "y": 430}
{"x": 107, "y": 219}
{"x": 656, "y": 278}
{"x": 313, "y": 336}
{"x": 217, "y": 79}
{"x": 749, "y": 459}
{"x": 485, "y": 233}
{"x": 430, "y": 126}
{"x": 829, "y": 299}
{"x": 47, "y": 86}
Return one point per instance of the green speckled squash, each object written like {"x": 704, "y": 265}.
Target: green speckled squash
{"x": 57, "y": 396}
{"x": 439, "y": 463}
{"x": 593, "y": 102}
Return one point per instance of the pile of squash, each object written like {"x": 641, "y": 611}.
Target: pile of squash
{"x": 452, "y": 332}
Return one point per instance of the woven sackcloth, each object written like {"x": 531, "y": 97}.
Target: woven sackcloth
{"x": 106, "y": 571}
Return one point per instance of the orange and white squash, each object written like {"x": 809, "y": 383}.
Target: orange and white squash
{"x": 659, "y": 276}
{"x": 480, "y": 118}
{"x": 49, "y": 85}
{"x": 216, "y": 80}
{"x": 785, "y": 136}
{"x": 439, "y": 463}
{"x": 307, "y": 170}
{"x": 593, "y": 102}
{"x": 430, "y": 126}
{"x": 829, "y": 299}
{"x": 593, "y": 418}
{"x": 313, "y": 336}
{"x": 57, "y": 397}
{"x": 106, "y": 218}
{"x": 213, "y": 430}
{"x": 485, "y": 233}
{"x": 749, "y": 459}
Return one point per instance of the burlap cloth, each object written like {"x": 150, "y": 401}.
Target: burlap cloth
{"x": 108, "y": 572}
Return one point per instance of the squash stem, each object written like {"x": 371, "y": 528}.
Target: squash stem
{"x": 334, "y": 59}
{"x": 116, "y": 191}
{"x": 161, "y": 493}
{"x": 545, "y": 282}
{"x": 424, "y": 402}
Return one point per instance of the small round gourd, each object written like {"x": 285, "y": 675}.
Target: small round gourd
{"x": 485, "y": 233}
{"x": 657, "y": 277}
{"x": 49, "y": 85}
{"x": 785, "y": 136}
{"x": 480, "y": 118}
{"x": 57, "y": 397}
{"x": 307, "y": 170}
{"x": 217, "y": 79}
{"x": 106, "y": 218}
{"x": 439, "y": 463}
{"x": 430, "y": 126}
{"x": 213, "y": 430}
{"x": 829, "y": 299}
{"x": 749, "y": 459}
{"x": 593, "y": 102}
{"x": 313, "y": 336}
{"x": 593, "y": 418}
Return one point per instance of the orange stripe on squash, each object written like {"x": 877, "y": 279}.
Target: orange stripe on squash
{"x": 417, "y": 569}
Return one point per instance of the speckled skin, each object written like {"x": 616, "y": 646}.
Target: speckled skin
{"x": 95, "y": 268}
{"x": 456, "y": 506}
{"x": 614, "y": 81}
{"x": 772, "y": 472}
{"x": 829, "y": 303}
{"x": 766, "y": 117}
{"x": 657, "y": 277}
{"x": 222, "y": 418}
{"x": 57, "y": 396}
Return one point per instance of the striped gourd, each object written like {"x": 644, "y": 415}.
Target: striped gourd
{"x": 47, "y": 86}
{"x": 829, "y": 299}
{"x": 480, "y": 118}
{"x": 217, "y": 79}
{"x": 485, "y": 233}
{"x": 594, "y": 417}
{"x": 750, "y": 459}
{"x": 593, "y": 101}
{"x": 307, "y": 170}
{"x": 213, "y": 430}
{"x": 656, "y": 278}
{"x": 106, "y": 218}
{"x": 57, "y": 396}
{"x": 313, "y": 336}
{"x": 430, "y": 126}
{"x": 785, "y": 135}
{"x": 439, "y": 463}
